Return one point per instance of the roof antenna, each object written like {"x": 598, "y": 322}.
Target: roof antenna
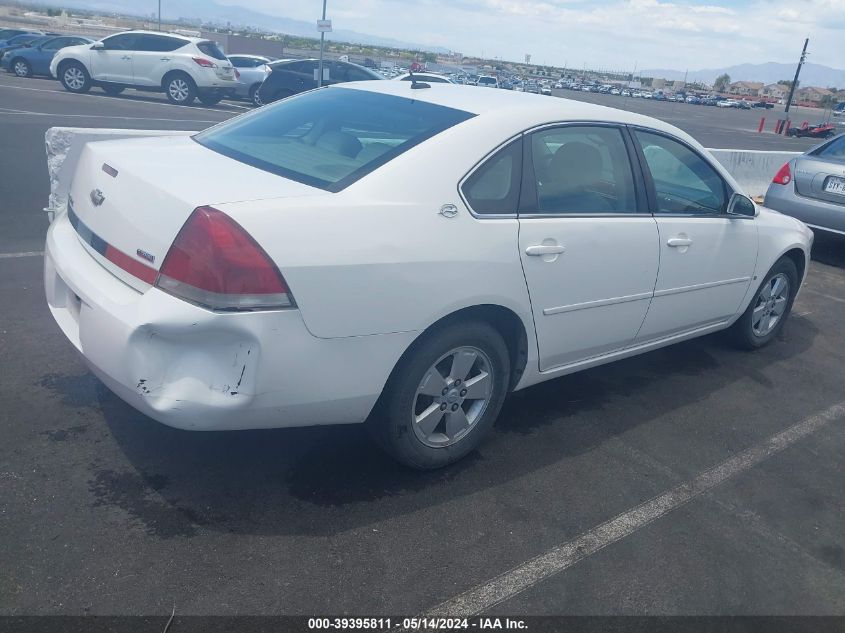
{"x": 416, "y": 85}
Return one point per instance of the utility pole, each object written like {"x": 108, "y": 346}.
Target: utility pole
{"x": 795, "y": 80}
{"x": 322, "y": 43}
{"x": 159, "y": 15}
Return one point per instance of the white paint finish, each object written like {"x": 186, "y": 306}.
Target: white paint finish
{"x": 697, "y": 283}
{"x": 752, "y": 169}
{"x": 564, "y": 556}
{"x": 370, "y": 267}
{"x": 606, "y": 259}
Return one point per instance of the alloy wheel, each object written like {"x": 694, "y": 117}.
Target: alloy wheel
{"x": 21, "y": 69}
{"x": 74, "y": 78}
{"x": 770, "y": 305}
{"x": 179, "y": 89}
{"x": 452, "y": 396}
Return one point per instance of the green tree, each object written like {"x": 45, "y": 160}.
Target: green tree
{"x": 827, "y": 101}
{"x": 722, "y": 82}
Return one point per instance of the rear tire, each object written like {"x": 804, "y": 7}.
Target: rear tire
{"x": 254, "y": 98}
{"x": 770, "y": 307}
{"x": 180, "y": 89}
{"x": 21, "y": 67}
{"x": 74, "y": 77}
{"x": 210, "y": 99}
{"x": 443, "y": 396}
{"x": 112, "y": 91}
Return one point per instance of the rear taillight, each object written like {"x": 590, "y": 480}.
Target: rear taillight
{"x": 214, "y": 263}
{"x": 205, "y": 63}
{"x": 784, "y": 175}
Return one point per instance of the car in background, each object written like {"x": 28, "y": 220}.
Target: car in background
{"x": 184, "y": 68}
{"x": 532, "y": 87}
{"x": 35, "y": 59}
{"x": 545, "y": 90}
{"x": 424, "y": 77}
{"x": 7, "y": 34}
{"x": 839, "y": 110}
{"x": 615, "y": 91}
{"x": 727, "y": 103}
{"x": 19, "y": 41}
{"x": 286, "y": 276}
{"x": 811, "y": 187}
{"x": 742, "y": 104}
{"x": 626, "y": 93}
{"x": 250, "y": 71}
{"x": 292, "y": 76}
{"x": 486, "y": 81}
{"x": 763, "y": 104}
{"x": 693, "y": 100}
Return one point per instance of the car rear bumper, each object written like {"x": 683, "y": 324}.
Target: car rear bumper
{"x": 815, "y": 213}
{"x": 198, "y": 370}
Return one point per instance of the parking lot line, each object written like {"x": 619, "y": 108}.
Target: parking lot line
{"x": 556, "y": 560}
{"x": 826, "y": 296}
{"x": 24, "y": 254}
{"x": 102, "y": 116}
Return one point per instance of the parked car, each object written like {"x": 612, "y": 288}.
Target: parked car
{"x": 425, "y": 77}
{"x": 250, "y": 71}
{"x": 839, "y": 109}
{"x": 545, "y": 90}
{"x": 184, "y": 68}
{"x": 693, "y": 100}
{"x": 485, "y": 81}
{"x": 35, "y": 59}
{"x": 811, "y": 187}
{"x": 319, "y": 288}
{"x": 763, "y": 104}
{"x": 727, "y": 103}
{"x": 292, "y": 76}
{"x": 18, "y": 41}
{"x": 8, "y": 34}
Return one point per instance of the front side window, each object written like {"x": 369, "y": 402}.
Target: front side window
{"x": 684, "y": 183}
{"x": 494, "y": 187}
{"x": 330, "y": 138}
{"x": 120, "y": 42}
{"x": 582, "y": 170}
{"x": 57, "y": 43}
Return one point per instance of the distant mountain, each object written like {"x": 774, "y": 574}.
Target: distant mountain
{"x": 209, "y": 11}
{"x": 770, "y": 72}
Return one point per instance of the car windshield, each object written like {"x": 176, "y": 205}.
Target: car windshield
{"x": 332, "y": 137}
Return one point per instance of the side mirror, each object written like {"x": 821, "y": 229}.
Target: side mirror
{"x": 98, "y": 46}
{"x": 742, "y": 206}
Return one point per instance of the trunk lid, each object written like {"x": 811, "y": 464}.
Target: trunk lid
{"x": 157, "y": 183}
{"x": 820, "y": 178}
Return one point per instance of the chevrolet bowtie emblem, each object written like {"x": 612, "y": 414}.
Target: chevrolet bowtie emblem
{"x": 97, "y": 197}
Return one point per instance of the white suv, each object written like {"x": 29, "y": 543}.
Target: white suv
{"x": 184, "y": 68}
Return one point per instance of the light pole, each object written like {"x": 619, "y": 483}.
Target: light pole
{"x": 322, "y": 43}
{"x": 159, "y": 15}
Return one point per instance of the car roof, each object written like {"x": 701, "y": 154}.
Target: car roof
{"x": 532, "y": 109}
{"x": 187, "y": 38}
{"x": 247, "y": 55}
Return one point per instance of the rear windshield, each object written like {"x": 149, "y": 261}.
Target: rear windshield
{"x": 330, "y": 138}
{"x": 211, "y": 49}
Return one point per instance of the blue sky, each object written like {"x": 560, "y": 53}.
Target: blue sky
{"x": 677, "y": 34}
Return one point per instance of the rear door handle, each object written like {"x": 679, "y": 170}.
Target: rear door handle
{"x": 678, "y": 241}
{"x": 545, "y": 249}
{"x": 165, "y": 59}
{"x": 126, "y": 57}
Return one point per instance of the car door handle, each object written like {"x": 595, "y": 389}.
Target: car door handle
{"x": 126, "y": 57}
{"x": 678, "y": 241}
{"x": 544, "y": 249}
{"x": 165, "y": 59}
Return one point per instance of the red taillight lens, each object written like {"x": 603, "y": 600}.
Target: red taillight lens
{"x": 205, "y": 63}
{"x": 784, "y": 175}
{"x": 214, "y": 263}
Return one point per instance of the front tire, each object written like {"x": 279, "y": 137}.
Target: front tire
{"x": 180, "y": 89}
{"x": 21, "y": 68}
{"x": 770, "y": 307}
{"x": 210, "y": 99}
{"x": 444, "y": 396}
{"x": 254, "y": 97}
{"x": 112, "y": 91}
{"x": 75, "y": 78}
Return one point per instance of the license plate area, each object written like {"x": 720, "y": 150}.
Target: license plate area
{"x": 835, "y": 185}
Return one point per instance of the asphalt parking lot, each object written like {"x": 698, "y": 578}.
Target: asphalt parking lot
{"x": 692, "y": 480}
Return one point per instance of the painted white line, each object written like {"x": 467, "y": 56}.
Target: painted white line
{"x": 24, "y": 254}
{"x": 556, "y": 560}
{"x": 118, "y": 99}
{"x": 826, "y": 296}
{"x": 101, "y": 116}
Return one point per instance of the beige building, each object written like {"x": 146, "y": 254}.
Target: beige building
{"x": 812, "y": 94}
{"x": 774, "y": 91}
{"x": 745, "y": 88}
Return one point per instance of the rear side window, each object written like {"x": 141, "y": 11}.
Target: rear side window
{"x": 330, "y": 138}
{"x": 158, "y": 43}
{"x": 684, "y": 182}
{"x": 212, "y": 50}
{"x": 493, "y": 189}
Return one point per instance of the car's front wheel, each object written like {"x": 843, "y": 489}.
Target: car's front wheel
{"x": 210, "y": 98}
{"x": 111, "y": 90}
{"x": 254, "y": 96}
{"x": 770, "y": 307}
{"x": 21, "y": 68}
{"x": 75, "y": 78}
{"x": 444, "y": 396}
{"x": 180, "y": 89}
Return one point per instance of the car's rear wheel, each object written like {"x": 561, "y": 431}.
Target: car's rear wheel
{"x": 180, "y": 89}
{"x": 770, "y": 307}
{"x": 444, "y": 396}
{"x": 210, "y": 99}
{"x": 254, "y": 96}
{"x": 75, "y": 78}
{"x": 21, "y": 67}
{"x": 112, "y": 90}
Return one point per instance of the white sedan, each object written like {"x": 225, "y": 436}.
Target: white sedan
{"x": 403, "y": 256}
